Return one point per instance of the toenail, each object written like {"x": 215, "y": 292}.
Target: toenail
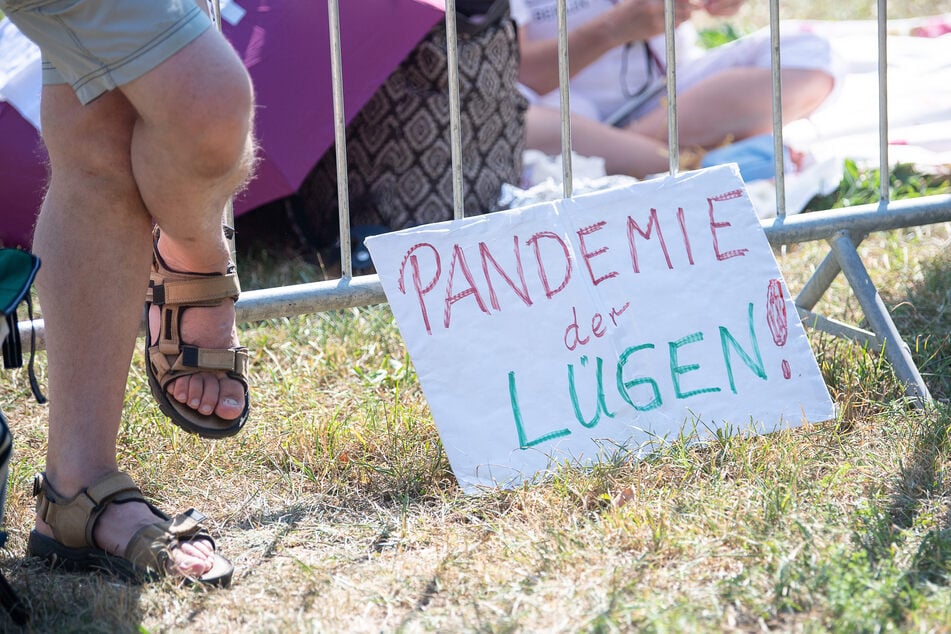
{"x": 229, "y": 402}
{"x": 194, "y": 402}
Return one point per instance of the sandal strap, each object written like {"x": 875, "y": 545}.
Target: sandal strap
{"x": 192, "y": 360}
{"x": 168, "y": 288}
{"x": 73, "y": 519}
{"x": 151, "y": 545}
{"x": 172, "y": 288}
{"x": 172, "y": 292}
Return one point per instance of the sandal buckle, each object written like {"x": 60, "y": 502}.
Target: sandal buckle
{"x": 189, "y": 356}
{"x": 187, "y": 524}
{"x": 195, "y": 515}
{"x": 158, "y": 294}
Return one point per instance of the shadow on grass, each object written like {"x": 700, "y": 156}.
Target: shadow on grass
{"x": 922, "y": 480}
{"x": 924, "y": 320}
{"x": 886, "y": 534}
{"x": 898, "y": 564}
{"x": 72, "y": 602}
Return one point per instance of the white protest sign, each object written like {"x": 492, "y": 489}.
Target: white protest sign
{"x": 611, "y": 320}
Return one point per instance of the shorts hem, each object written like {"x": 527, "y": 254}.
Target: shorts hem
{"x": 145, "y": 59}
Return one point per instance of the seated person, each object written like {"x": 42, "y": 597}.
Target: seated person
{"x": 617, "y": 58}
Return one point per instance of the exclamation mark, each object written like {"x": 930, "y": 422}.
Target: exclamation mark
{"x": 776, "y": 319}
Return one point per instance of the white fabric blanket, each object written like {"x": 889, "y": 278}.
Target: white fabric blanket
{"x": 919, "y": 95}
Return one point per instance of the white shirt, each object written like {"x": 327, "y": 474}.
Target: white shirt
{"x": 617, "y": 78}
{"x": 618, "y": 75}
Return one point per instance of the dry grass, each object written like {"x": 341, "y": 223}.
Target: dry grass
{"x": 340, "y": 513}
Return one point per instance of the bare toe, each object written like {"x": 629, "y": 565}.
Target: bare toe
{"x": 192, "y": 559}
{"x": 231, "y": 399}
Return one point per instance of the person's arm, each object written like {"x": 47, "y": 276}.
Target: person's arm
{"x": 722, "y": 8}
{"x": 626, "y": 21}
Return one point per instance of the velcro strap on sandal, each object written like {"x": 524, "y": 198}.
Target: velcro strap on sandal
{"x": 193, "y": 291}
{"x": 229, "y": 359}
{"x": 234, "y": 361}
{"x": 73, "y": 519}
{"x": 186, "y": 524}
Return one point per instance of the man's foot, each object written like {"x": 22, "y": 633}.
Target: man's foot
{"x": 196, "y": 368}
{"x": 206, "y": 327}
{"x": 755, "y": 156}
{"x": 119, "y": 522}
{"x": 109, "y": 526}
{"x": 206, "y": 392}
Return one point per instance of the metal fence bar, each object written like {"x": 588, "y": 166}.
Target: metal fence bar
{"x": 897, "y": 214}
{"x": 877, "y": 315}
{"x": 673, "y": 134}
{"x": 884, "y": 169}
{"x": 818, "y": 284}
{"x": 365, "y": 290}
{"x": 777, "y": 84}
{"x": 455, "y": 116}
{"x": 840, "y": 329}
{"x": 340, "y": 139}
{"x": 567, "y": 178}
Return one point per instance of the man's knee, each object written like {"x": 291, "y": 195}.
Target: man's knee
{"x": 216, "y": 135}
{"x": 92, "y": 139}
{"x": 199, "y": 103}
{"x": 804, "y": 90}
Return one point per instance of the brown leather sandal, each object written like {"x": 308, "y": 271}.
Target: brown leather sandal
{"x": 74, "y": 548}
{"x": 170, "y": 358}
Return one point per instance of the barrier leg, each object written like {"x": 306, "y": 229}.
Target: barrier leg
{"x": 878, "y": 318}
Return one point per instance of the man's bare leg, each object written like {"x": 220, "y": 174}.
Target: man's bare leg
{"x": 93, "y": 227}
{"x": 172, "y": 145}
{"x": 191, "y": 148}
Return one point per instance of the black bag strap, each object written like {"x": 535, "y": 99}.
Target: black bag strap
{"x": 474, "y": 16}
{"x": 18, "y": 269}
{"x": 12, "y": 350}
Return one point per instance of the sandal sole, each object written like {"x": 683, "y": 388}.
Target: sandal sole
{"x": 96, "y": 560}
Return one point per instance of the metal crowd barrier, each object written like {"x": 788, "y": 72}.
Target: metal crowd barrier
{"x": 843, "y": 229}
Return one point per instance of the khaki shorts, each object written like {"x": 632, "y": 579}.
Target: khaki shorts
{"x": 97, "y": 45}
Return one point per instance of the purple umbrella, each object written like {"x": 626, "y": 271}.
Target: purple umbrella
{"x": 22, "y": 177}
{"x": 286, "y": 47}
